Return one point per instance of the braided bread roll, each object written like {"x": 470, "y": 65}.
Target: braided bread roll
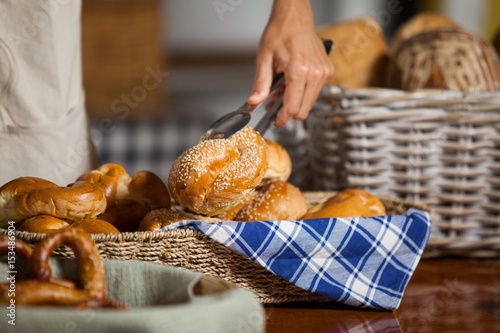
{"x": 217, "y": 174}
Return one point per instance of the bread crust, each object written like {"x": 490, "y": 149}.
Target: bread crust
{"x": 348, "y": 203}
{"x": 277, "y": 200}
{"x": 217, "y": 174}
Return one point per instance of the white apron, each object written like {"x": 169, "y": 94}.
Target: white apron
{"x": 43, "y": 124}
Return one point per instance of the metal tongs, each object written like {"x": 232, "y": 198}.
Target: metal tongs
{"x": 232, "y": 122}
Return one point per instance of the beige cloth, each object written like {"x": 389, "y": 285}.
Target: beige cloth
{"x": 161, "y": 298}
{"x": 43, "y": 124}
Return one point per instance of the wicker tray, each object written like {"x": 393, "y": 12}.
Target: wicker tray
{"x": 439, "y": 148}
{"x": 193, "y": 250}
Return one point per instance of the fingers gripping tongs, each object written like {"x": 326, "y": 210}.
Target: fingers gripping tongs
{"x": 232, "y": 122}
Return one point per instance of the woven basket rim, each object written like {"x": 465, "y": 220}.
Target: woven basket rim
{"x": 313, "y": 197}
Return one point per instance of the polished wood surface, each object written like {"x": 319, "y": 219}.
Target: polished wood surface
{"x": 444, "y": 295}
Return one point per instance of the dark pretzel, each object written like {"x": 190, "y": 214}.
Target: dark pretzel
{"x": 36, "y": 292}
{"x": 21, "y": 248}
{"x": 25, "y": 251}
{"x": 90, "y": 265}
{"x": 44, "y": 289}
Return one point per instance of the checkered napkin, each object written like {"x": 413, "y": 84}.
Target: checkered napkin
{"x": 363, "y": 262}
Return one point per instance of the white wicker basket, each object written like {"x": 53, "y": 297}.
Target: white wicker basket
{"x": 440, "y": 148}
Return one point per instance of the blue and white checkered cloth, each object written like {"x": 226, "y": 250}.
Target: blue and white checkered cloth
{"x": 362, "y": 262}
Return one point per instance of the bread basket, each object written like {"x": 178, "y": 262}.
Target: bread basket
{"x": 439, "y": 148}
{"x": 194, "y": 250}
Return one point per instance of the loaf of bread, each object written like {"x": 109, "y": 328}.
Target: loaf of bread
{"x": 445, "y": 58}
{"x": 417, "y": 24}
{"x": 360, "y": 52}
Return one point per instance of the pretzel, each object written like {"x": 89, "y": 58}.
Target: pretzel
{"x": 23, "y": 198}
{"x": 25, "y": 251}
{"x": 20, "y": 248}
{"x": 43, "y": 289}
{"x": 90, "y": 265}
{"x": 36, "y": 292}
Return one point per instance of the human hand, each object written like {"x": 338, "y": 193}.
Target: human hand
{"x": 290, "y": 45}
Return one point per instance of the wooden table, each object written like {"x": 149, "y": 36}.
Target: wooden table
{"x": 444, "y": 295}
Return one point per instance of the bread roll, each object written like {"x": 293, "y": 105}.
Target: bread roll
{"x": 348, "y": 203}
{"x": 217, "y": 174}
{"x": 278, "y": 200}
{"x": 23, "y": 198}
{"x": 279, "y": 162}
{"x": 230, "y": 214}
{"x": 95, "y": 226}
{"x": 419, "y": 23}
{"x": 44, "y": 224}
{"x": 113, "y": 180}
{"x": 14, "y": 187}
{"x": 159, "y": 218}
{"x": 129, "y": 198}
{"x": 360, "y": 53}
{"x": 445, "y": 58}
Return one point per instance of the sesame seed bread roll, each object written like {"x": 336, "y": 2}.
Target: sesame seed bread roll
{"x": 278, "y": 200}
{"x": 217, "y": 174}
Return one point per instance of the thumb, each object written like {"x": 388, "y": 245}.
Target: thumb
{"x": 263, "y": 79}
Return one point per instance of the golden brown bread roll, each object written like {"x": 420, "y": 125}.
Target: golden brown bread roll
{"x": 44, "y": 224}
{"x": 348, "y": 203}
{"x": 360, "y": 52}
{"x": 417, "y": 24}
{"x": 277, "y": 200}
{"x": 113, "y": 179}
{"x": 217, "y": 174}
{"x": 445, "y": 58}
{"x": 47, "y": 224}
{"x": 14, "y": 187}
{"x": 159, "y": 218}
{"x": 95, "y": 226}
{"x": 230, "y": 214}
{"x": 75, "y": 201}
{"x": 129, "y": 199}
{"x": 279, "y": 162}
